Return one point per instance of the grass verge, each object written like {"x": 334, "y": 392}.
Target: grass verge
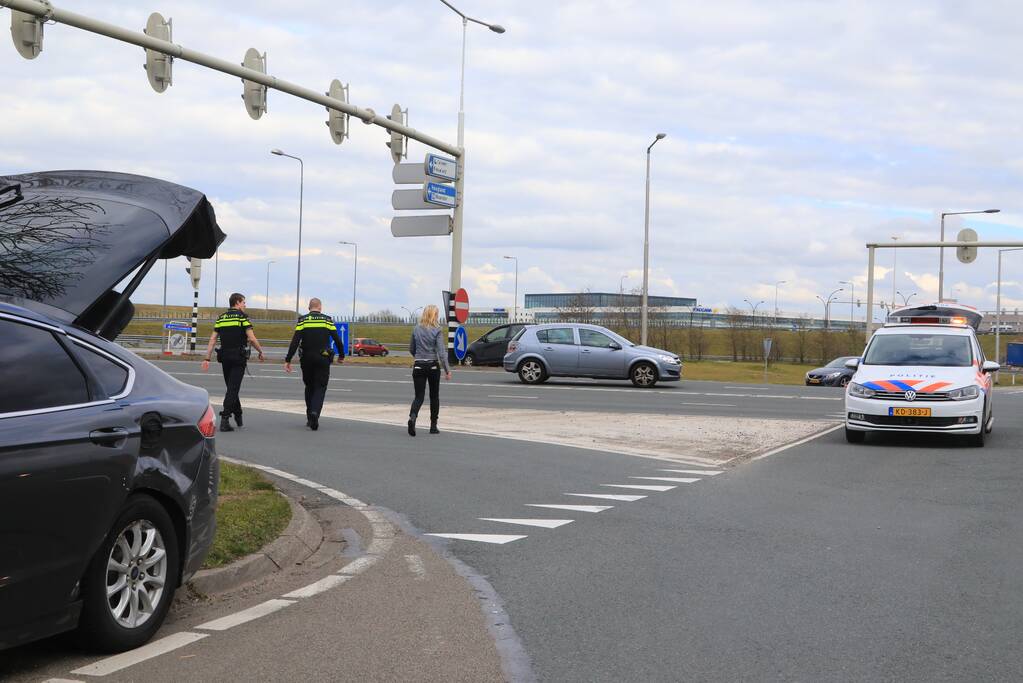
{"x": 746, "y": 373}
{"x": 250, "y": 514}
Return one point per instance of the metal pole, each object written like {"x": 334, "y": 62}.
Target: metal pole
{"x": 268, "y": 288}
{"x": 895, "y": 272}
{"x": 516, "y": 307}
{"x": 941, "y": 263}
{"x": 779, "y": 282}
{"x": 216, "y": 276}
{"x": 646, "y": 255}
{"x": 998, "y": 313}
{"x": 61, "y": 16}
{"x": 301, "y": 192}
{"x": 869, "y": 327}
{"x": 165, "y": 288}
{"x": 456, "y": 224}
{"x": 355, "y": 279}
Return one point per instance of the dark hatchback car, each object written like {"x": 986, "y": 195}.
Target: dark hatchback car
{"x": 491, "y": 348}
{"x": 108, "y": 470}
{"x": 834, "y": 374}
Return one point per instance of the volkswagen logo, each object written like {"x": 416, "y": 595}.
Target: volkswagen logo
{"x": 910, "y": 395}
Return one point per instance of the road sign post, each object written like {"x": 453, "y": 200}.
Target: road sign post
{"x": 767, "y": 355}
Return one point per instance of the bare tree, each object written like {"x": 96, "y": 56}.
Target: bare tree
{"x": 578, "y": 309}
{"x": 802, "y": 337}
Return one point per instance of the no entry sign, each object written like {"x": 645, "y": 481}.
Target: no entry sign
{"x": 461, "y": 305}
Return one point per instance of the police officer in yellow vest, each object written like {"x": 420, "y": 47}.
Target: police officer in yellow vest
{"x": 235, "y": 332}
{"x": 312, "y": 336}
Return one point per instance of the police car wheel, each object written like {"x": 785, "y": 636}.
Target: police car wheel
{"x": 853, "y": 436}
{"x": 129, "y": 584}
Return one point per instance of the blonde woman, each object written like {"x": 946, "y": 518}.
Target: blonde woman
{"x": 430, "y": 354}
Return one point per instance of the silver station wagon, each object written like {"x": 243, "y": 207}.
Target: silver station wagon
{"x": 575, "y": 350}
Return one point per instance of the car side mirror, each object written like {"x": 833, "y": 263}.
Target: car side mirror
{"x": 614, "y": 346}
{"x": 991, "y": 366}
{"x": 852, "y": 363}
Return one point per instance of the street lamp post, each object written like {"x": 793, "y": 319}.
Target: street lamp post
{"x": 301, "y": 187}
{"x": 753, "y": 308}
{"x": 646, "y": 245}
{"x": 895, "y": 260}
{"x": 779, "y": 282}
{"x": 905, "y": 299}
{"x": 165, "y": 289}
{"x": 827, "y": 307}
{"x": 852, "y": 300}
{"x": 268, "y": 288}
{"x": 998, "y": 307}
{"x": 941, "y": 250}
{"x": 515, "y": 306}
{"x": 355, "y": 278}
{"x": 456, "y": 234}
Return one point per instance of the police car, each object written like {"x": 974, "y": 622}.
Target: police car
{"x": 924, "y": 371}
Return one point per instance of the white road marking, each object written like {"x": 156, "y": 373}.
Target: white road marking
{"x": 640, "y": 487}
{"x": 608, "y": 496}
{"x": 545, "y": 523}
{"x": 156, "y": 648}
{"x": 62, "y": 680}
{"x": 415, "y": 565}
{"x": 821, "y": 398}
{"x": 796, "y": 443}
{"x": 317, "y": 587}
{"x": 697, "y": 403}
{"x": 677, "y": 480}
{"x": 573, "y": 508}
{"x": 708, "y": 473}
{"x": 498, "y": 539}
{"x": 358, "y": 565}
{"x": 501, "y": 396}
{"x": 246, "y": 615}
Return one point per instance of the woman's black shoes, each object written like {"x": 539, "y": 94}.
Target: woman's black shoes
{"x": 433, "y": 428}
{"x": 411, "y": 427}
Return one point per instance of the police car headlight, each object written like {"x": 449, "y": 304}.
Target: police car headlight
{"x": 670, "y": 360}
{"x": 965, "y": 394}
{"x": 860, "y": 391}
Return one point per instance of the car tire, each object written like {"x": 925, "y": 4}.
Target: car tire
{"x": 843, "y": 382}
{"x": 979, "y": 438}
{"x": 141, "y": 531}
{"x": 360, "y": 353}
{"x": 854, "y": 436}
{"x": 532, "y": 371}
{"x": 384, "y": 353}
{"x": 643, "y": 375}
{"x": 470, "y": 360}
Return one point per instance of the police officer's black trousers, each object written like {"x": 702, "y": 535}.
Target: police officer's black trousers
{"x": 421, "y": 374}
{"x": 234, "y": 372}
{"x": 315, "y": 376}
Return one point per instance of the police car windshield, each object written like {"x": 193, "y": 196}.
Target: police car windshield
{"x": 919, "y": 349}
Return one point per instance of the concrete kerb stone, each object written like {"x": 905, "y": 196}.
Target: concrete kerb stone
{"x": 299, "y": 541}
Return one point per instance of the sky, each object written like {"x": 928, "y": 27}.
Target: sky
{"x": 796, "y": 133}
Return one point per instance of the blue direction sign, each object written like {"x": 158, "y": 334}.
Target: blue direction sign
{"x": 441, "y": 167}
{"x": 342, "y": 331}
{"x": 439, "y": 194}
{"x": 177, "y": 327}
{"x": 461, "y": 342}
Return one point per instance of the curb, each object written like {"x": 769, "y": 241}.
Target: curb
{"x": 299, "y": 541}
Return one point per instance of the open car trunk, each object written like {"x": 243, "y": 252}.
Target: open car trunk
{"x": 67, "y": 238}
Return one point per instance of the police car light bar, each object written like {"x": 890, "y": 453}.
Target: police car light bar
{"x": 937, "y": 314}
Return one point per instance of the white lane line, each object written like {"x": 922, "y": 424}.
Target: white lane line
{"x": 502, "y": 396}
{"x": 246, "y": 615}
{"x": 736, "y": 395}
{"x": 545, "y": 523}
{"x": 608, "y": 496}
{"x": 62, "y": 680}
{"x": 796, "y": 443}
{"x": 416, "y": 566}
{"x": 498, "y": 539}
{"x": 156, "y": 648}
{"x": 707, "y": 473}
{"x": 640, "y": 487}
{"x": 317, "y": 587}
{"x": 697, "y": 403}
{"x": 573, "y": 508}
{"x": 821, "y": 398}
{"x": 677, "y": 480}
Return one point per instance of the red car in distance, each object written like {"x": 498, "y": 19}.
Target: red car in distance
{"x": 368, "y": 347}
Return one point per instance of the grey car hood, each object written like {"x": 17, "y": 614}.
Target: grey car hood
{"x": 67, "y": 238}
{"x": 651, "y": 351}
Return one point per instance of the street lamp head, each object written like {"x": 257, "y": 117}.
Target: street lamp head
{"x": 510, "y": 258}
{"x": 992, "y": 211}
{"x": 661, "y": 136}
{"x": 277, "y": 152}
{"x": 496, "y": 28}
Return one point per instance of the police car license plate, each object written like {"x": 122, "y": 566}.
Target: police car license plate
{"x": 909, "y": 412}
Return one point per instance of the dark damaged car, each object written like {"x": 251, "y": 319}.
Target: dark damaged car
{"x": 108, "y": 470}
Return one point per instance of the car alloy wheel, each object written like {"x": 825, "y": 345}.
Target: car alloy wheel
{"x": 470, "y": 360}
{"x": 844, "y": 381}
{"x": 384, "y": 353}
{"x": 643, "y": 375}
{"x": 136, "y": 574}
{"x": 531, "y": 372}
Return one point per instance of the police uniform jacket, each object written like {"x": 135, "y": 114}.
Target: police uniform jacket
{"x": 232, "y": 327}
{"x": 313, "y": 333}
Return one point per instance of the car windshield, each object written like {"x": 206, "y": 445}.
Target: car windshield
{"x": 838, "y": 362}
{"x": 919, "y": 349}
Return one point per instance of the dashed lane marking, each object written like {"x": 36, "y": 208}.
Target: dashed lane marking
{"x": 705, "y": 473}
{"x": 677, "y": 480}
{"x": 246, "y": 615}
{"x": 156, "y": 648}
{"x": 545, "y": 523}
{"x": 573, "y": 508}
{"x": 715, "y": 405}
{"x": 640, "y": 487}
{"x": 608, "y": 496}
{"x": 498, "y": 539}
{"x": 502, "y": 396}
{"x": 62, "y": 680}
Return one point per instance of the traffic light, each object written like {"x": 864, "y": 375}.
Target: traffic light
{"x": 254, "y": 94}
{"x": 397, "y": 143}
{"x": 337, "y": 121}
{"x": 158, "y": 65}
{"x": 27, "y": 32}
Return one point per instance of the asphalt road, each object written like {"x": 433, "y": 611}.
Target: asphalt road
{"x": 496, "y": 389}
{"x": 894, "y": 560}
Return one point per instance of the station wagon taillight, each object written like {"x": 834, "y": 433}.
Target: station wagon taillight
{"x": 207, "y": 424}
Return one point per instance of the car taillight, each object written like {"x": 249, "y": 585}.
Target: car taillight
{"x": 513, "y": 346}
{"x": 207, "y": 424}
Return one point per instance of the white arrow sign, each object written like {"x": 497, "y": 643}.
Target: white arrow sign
{"x": 421, "y": 226}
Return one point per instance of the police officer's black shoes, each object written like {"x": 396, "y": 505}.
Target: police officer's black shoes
{"x": 433, "y": 427}
{"x": 411, "y": 427}
{"x": 238, "y": 419}
{"x": 314, "y": 421}
{"x": 225, "y": 424}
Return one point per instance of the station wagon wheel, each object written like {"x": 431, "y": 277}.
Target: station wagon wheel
{"x": 130, "y": 582}
{"x": 643, "y": 375}
{"x": 532, "y": 372}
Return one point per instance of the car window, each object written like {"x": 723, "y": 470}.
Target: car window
{"x": 594, "y": 338}
{"x": 518, "y": 335}
{"x": 838, "y": 362}
{"x": 556, "y": 335}
{"x": 939, "y": 350}
{"x": 111, "y": 376}
{"x": 500, "y": 334}
{"x": 38, "y": 373}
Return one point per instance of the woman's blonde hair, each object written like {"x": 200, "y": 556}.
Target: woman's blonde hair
{"x": 430, "y": 317}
